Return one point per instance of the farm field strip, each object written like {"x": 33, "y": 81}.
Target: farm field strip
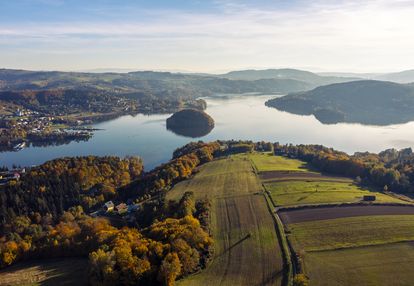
{"x": 268, "y": 162}
{"x": 320, "y": 192}
{"x": 342, "y": 244}
{"x": 270, "y": 176}
{"x": 351, "y": 232}
{"x": 335, "y": 212}
{"x": 379, "y": 265}
{"x": 246, "y": 246}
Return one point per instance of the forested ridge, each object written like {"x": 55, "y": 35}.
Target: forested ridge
{"x": 363, "y": 101}
{"x": 46, "y": 214}
{"x": 57, "y": 185}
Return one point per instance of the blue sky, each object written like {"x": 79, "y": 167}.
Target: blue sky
{"x": 207, "y": 36}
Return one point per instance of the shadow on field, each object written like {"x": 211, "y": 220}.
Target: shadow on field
{"x": 66, "y": 272}
{"x": 63, "y": 271}
{"x": 247, "y": 236}
{"x": 271, "y": 279}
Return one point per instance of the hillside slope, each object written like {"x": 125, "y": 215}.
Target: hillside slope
{"x": 246, "y": 246}
{"x": 365, "y": 102}
{"x": 294, "y": 74}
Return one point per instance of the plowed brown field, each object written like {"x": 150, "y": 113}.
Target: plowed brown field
{"x": 322, "y": 213}
{"x": 277, "y": 176}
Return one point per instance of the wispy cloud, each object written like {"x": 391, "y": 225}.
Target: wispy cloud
{"x": 344, "y": 35}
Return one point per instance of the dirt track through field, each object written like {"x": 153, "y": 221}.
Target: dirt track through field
{"x": 323, "y": 213}
{"x": 279, "y": 176}
{"x": 246, "y": 244}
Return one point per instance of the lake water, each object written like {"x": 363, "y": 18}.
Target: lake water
{"x": 236, "y": 117}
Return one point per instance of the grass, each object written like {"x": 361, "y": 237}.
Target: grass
{"x": 370, "y": 250}
{"x": 380, "y": 265}
{"x": 269, "y": 162}
{"x": 246, "y": 246}
{"x": 220, "y": 178}
{"x": 364, "y": 250}
{"x": 351, "y": 232}
{"x": 67, "y": 271}
{"x": 291, "y": 193}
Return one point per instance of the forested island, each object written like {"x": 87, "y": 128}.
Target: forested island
{"x": 190, "y": 123}
{"x": 366, "y": 102}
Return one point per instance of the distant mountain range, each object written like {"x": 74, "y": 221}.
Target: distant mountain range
{"x": 364, "y": 101}
{"x": 331, "y": 97}
{"x": 398, "y": 77}
{"x": 163, "y": 84}
{"x": 299, "y": 75}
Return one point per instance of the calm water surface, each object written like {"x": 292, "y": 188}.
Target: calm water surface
{"x": 236, "y": 117}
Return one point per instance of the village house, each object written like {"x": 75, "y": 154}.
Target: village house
{"x": 121, "y": 208}
{"x": 108, "y": 206}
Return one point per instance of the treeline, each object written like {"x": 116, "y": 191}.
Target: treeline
{"x": 157, "y": 255}
{"x": 184, "y": 163}
{"x": 389, "y": 170}
{"x": 67, "y": 101}
{"x": 54, "y": 138}
{"x": 57, "y": 185}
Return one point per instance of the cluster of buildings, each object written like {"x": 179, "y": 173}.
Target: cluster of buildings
{"x": 12, "y": 175}
{"x": 123, "y": 209}
{"x": 35, "y": 123}
{"x": 25, "y": 126}
{"x": 25, "y": 112}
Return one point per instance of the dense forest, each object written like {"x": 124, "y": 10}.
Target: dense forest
{"x": 159, "y": 254}
{"x": 47, "y": 214}
{"x": 190, "y": 123}
{"x": 389, "y": 170}
{"x": 57, "y": 185}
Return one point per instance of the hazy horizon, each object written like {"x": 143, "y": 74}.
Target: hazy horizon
{"x": 207, "y": 36}
{"x": 216, "y": 72}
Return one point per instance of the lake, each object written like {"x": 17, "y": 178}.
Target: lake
{"x": 236, "y": 117}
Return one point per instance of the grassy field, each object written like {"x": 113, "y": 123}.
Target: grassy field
{"x": 246, "y": 246}
{"x": 317, "y": 192}
{"x": 369, "y": 250}
{"x": 351, "y": 232}
{"x": 380, "y": 265}
{"x": 268, "y": 162}
{"x": 69, "y": 271}
{"x": 360, "y": 250}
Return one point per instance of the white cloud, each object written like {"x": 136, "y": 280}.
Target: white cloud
{"x": 351, "y": 36}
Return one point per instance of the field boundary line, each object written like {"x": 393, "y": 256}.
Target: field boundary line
{"x": 280, "y": 233}
{"x": 361, "y": 246}
{"x": 297, "y": 179}
{"x": 330, "y": 205}
{"x": 288, "y": 266}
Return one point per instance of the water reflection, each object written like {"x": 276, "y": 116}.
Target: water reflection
{"x": 237, "y": 117}
{"x": 191, "y": 132}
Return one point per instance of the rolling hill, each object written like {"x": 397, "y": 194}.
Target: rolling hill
{"x": 299, "y": 75}
{"x": 400, "y": 77}
{"x": 365, "y": 102}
